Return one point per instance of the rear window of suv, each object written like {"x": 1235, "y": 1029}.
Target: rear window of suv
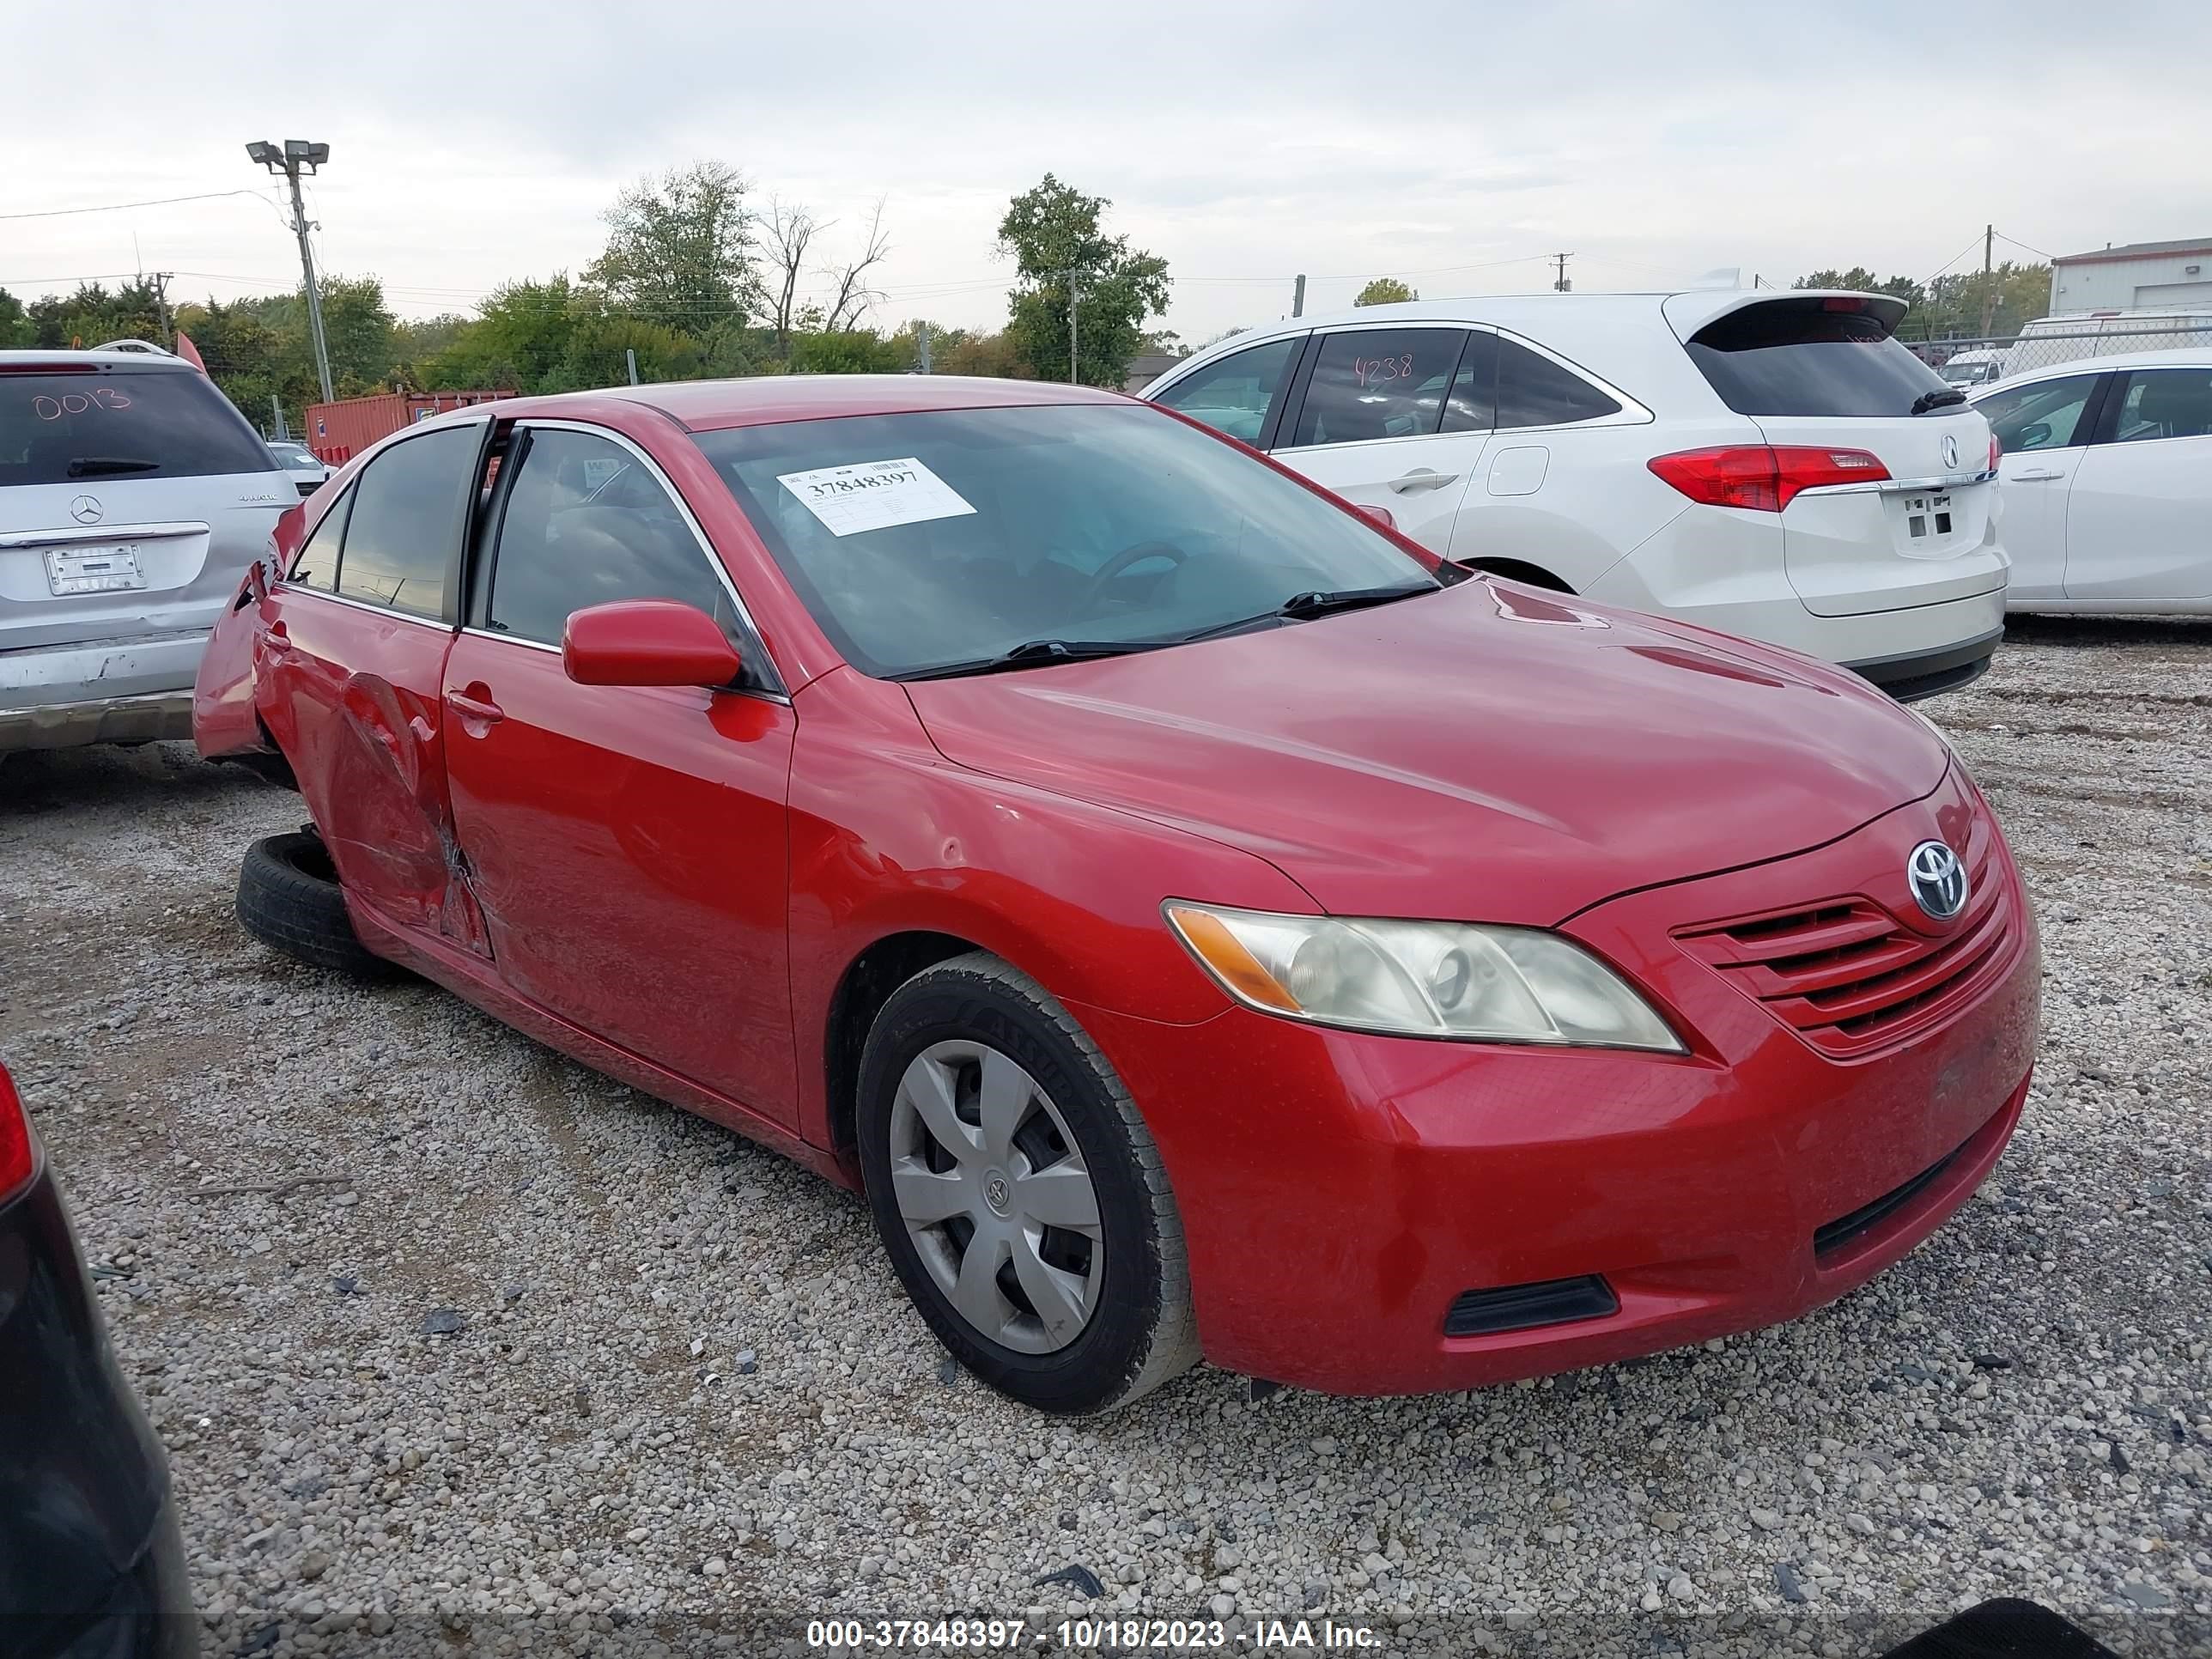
{"x": 1800, "y": 357}
{"x": 68, "y": 427}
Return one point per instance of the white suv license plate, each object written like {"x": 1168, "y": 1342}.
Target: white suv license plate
{"x": 94, "y": 570}
{"x": 1928, "y": 517}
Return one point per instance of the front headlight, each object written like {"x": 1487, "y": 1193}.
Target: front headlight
{"x": 1437, "y": 979}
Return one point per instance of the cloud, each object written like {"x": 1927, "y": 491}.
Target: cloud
{"x": 1244, "y": 142}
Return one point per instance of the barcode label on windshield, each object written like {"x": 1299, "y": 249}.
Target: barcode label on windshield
{"x": 874, "y": 496}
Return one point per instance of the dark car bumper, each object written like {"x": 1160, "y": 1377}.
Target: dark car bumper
{"x": 1918, "y": 674}
{"x": 92, "y": 1566}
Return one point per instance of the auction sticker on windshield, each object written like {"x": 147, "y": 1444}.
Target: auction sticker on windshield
{"x": 874, "y": 496}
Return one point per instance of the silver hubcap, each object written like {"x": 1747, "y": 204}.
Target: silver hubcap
{"x": 994, "y": 1190}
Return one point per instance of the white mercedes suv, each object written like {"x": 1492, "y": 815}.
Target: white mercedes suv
{"x": 1768, "y": 463}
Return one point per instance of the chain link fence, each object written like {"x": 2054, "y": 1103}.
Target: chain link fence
{"x": 1976, "y": 362}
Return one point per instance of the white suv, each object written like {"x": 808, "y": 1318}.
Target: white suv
{"x": 1767, "y": 464}
{"x": 132, "y": 497}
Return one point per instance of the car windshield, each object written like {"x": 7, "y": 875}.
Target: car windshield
{"x": 298, "y": 459}
{"x": 926, "y": 541}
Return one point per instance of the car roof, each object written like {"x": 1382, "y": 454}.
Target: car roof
{"x": 1633, "y": 342}
{"x": 766, "y": 399}
{"x": 135, "y": 361}
{"x": 2180, "y": 358}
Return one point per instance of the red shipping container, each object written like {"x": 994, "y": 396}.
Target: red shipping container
{"x": 337, "y": 432}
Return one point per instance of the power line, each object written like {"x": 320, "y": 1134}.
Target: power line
{"x": 2024, "y": 247}
{"x": 121, "y": 207}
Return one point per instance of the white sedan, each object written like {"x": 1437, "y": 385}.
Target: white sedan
{"x": 2108, "y": 482}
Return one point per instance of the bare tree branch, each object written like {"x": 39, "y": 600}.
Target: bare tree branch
{"x": 854, "y": 296}
{"x": 788, "y": 230}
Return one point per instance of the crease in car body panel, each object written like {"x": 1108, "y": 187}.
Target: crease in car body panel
{"x": 367, "y": 749}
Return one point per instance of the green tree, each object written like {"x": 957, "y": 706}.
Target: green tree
{"x": 1860, "y": 280}
{"x": 16, "y": 327}
{"x": 993, "y": 356}
{"x": 1385, "y": 291}
{"x": 93, "y": 316}
{"x": 680, "y": 249}
{"x": 522, "y": 336}
{"x": 1054, "y": 233}
{"x": 844, "y": 352}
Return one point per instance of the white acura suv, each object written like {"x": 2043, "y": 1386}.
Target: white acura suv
{"x": 1769, "y": 463}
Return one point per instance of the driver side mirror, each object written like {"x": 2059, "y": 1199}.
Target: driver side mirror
{"x": 648, "y": 642}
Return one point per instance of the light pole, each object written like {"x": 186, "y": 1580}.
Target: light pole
{"x": 296, "y": 156}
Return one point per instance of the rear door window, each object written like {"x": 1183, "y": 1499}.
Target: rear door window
{"x": 2044, "y": 415}
{"x": 403, "y": 537}
{"x": 68, "y": 426}
{"x": 1800, "y": 357}
{"x": 1234, "y": 395}
{"x": 1369, "y": 383}
{"x": 1533, "y": 390}
{"x": 2165, "y": 402}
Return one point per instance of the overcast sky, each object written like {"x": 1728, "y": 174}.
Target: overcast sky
{"x": 1455, "y": 145}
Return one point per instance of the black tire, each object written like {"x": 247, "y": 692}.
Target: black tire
{"x": 289, "y": 898}
{"x": 1140, "y": 1331}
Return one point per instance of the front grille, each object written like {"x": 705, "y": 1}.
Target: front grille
{"x": 1846, "y": 1229}
{"x": 1518, "y": 1307}
{"x": 1851, "y": 977}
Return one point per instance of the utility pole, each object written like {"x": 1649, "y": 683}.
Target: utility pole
{"x": 921, "y": 345}
{"x": 1298, "y": 296}
{"x": 296, "y": 156}
{"x": 1989, "y": 283}
{"x": 629, "y": 356}
{"x": 160, "y": 279}
{"x": 1563, "y": 285}
{"x": 1074, "y": 298}
{"x": 277, "y": 410}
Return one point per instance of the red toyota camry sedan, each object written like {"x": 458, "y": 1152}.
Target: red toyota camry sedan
{"x": 1200, "y": 922}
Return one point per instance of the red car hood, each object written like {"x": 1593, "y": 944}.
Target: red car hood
{"x": 1487, "y": 754}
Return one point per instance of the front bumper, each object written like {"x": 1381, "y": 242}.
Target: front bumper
{"x": 1340, "y": 1192}
{"x": 112, "y": 691}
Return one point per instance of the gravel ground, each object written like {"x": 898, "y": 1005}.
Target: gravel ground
{"x": 544, "y": 1364}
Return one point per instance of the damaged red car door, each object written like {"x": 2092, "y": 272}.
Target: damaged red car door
{"x": 350, "y": 659}
{"x": 627, "y": 842}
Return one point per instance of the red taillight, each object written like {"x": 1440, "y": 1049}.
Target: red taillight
{"x": 1996, "y": 452}
{"x": 1842, "y": 302}
{"x": 1761, "y": 478}
{"x": 15, "y": 1139}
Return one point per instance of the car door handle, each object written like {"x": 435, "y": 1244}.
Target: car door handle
{"x": 2041, "y": 475}
{"x": 1422, "y": 478}
{"x": 475, "y": 708}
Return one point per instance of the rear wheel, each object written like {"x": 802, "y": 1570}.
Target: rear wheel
{"x": 289, "y": 899}
{"x": 1021, "y": 1200}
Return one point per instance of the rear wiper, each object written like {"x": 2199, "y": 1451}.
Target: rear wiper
{"x": 1034, "y": 654}
{"x": 1943, "y": 397}
{"x": 102, "y": 466}
{"x": 1304, "y": 607}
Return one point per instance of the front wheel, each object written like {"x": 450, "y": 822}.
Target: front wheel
{"x": 1021, "y": 1199}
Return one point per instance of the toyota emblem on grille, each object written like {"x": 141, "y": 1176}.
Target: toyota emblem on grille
{"x": 1938, "y": 879}
{"x": 86, "y": 509}
{"x": 1950, "y": 453}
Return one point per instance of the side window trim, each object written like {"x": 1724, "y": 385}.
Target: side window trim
{"x": 486, "y": 523}
{"x": 760, "y": 664}
{"x": 1632, "y": 411}
{"x": 2100, "y": 417}
{"x": 1290, "y": 402}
